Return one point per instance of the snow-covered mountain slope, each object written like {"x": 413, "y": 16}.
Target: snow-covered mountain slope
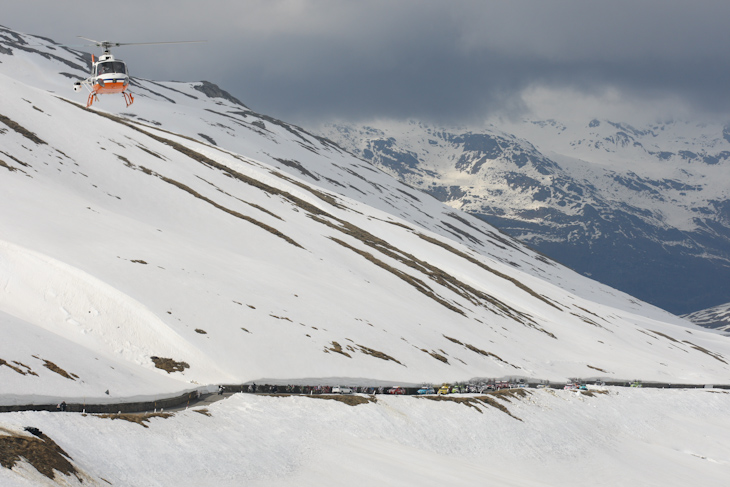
{"x": 644, "y": 210}
{"x": 188, "y": 227}
{"x": 649, "y": 437}
{"x": 717, "y": 318}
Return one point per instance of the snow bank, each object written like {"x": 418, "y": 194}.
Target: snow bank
{"x": 626, "y": 437}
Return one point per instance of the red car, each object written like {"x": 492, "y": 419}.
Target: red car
{"x": 396, "y": 390}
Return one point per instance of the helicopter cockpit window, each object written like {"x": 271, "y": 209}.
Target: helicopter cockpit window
{"x": 116, "y": 67}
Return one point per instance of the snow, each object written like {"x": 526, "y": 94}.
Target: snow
{"x": 625, "y": 437}
{"x": 130, "y": 238}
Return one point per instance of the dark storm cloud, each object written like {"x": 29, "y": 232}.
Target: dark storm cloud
{"x": 445, "y": 61}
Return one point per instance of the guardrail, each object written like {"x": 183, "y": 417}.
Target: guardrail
{"x": 190, "y": 398}
{"x": 124, "y": 407}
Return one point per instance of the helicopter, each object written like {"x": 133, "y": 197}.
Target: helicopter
{"x": 108, "y": 74}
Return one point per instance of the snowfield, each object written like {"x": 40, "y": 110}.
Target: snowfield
{"x": 190, "y": 231}
{"x": 624, "y": 437}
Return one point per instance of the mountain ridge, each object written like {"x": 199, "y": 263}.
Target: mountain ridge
{"x": 273, "y": 253}
{"x": 643, "y": 210}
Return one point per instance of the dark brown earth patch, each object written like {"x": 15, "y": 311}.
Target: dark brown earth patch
{"x": 22, "y": 130}
{"x": 592, "y": 392}
{"x": 55, "y": 368}
{"x": 39, "y": 451}
{"x": 714, "y": 355}
{"x": 236, "y": 214}
{"x": 349, "y": 399}
{"x": 473, "y": 402}
{"x": 437, "y": 356}
{"x": 377, "y": 354}
{"x": 169, "y": 365}
{"x": 479, "y": 351}
{"x": 140, "y": 419}
{"x": 3, "y": 362}
{"x": 337, "y": 348}
{"x": 597, "y": 368}
{"x": 488, "y": 269}
{"x": 665, "y": 336}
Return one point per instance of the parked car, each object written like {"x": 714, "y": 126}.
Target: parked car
{"x": 396, "y": 390}
{"x": 445, "y": 389}
{"x": 426, "y": 390}
{"x": 487, "y": 388}
{"x": 341, "y": 390}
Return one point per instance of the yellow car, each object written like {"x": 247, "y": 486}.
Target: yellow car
{"x": 445, "y": 389}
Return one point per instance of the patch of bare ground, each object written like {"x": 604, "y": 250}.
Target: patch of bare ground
{"x": 432, "y": 273}
{"x": 7, "y": 166}
{"x": 479, "y": 351}
{"x": 196, "y": 194}
{"x": 377, "y": 354}
{"x": 55, "y": 368}
{"x": 337, "y": 348}
{"x": 22, "y": 130}
{"x": 488, "y": 269}
{"x": 714, "y": 355}
{"x": 585, "y": 319}
{"x": 169, "y": 365}
{"x": 15, "y": 159}
{"x": 236, "y": 214}
{"x": 3, "y": 362}
{"x": 29, "y": 371}
{"x": 203, "y": 411}
{"x": 140, "y": 419}
{"x": 39, "y": 450}
{"x": 505, "y": 394}
{"x": 665, "y": 336}
{"x": 413, "y": 281}
{"x": 597, "y": 368}
{"x": 437, "y": 356}
{"x": 349, "y": 399}
{"x": 593, "y": 392}
{"x": 473, "y": 402}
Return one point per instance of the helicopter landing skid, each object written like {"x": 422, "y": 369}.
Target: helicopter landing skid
{"x": 90, "y": 100}
{"x": 128, "y": 98}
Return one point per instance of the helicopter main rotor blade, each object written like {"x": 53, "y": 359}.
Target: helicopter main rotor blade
{"x": 107, "y": 44}
{"x": 150, "y": 43}
{"x": 97, "y": 43}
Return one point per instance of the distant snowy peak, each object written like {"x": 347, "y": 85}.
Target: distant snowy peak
{"x": 717, "y": 318}
{"x": 678, "y": 141}
{"x": 650, "y": 200}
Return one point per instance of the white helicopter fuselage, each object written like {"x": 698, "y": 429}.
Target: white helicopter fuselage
{"x": 108, "y": 75}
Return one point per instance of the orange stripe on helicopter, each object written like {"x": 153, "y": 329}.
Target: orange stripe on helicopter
{"x": 109, "y": 88}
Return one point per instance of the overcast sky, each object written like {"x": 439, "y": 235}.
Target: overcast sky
{"x": 444, "y": 61}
